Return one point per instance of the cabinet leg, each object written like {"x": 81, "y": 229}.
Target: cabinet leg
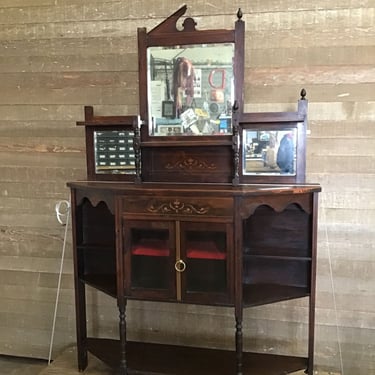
{"x": 81, "y": 326}
{"x": 123, "y": 369}
{"x": 239, "y": 345}
{"x": 82, "y": 359}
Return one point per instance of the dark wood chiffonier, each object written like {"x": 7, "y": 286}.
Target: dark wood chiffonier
{"x": 193, "y": 202}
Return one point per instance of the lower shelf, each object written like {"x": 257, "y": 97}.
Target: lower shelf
{"x": 153, "y": 359}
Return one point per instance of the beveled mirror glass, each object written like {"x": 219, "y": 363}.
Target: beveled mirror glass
{"x": 270, "y": 152}
{"x": 114, "y": 152}
{"x": 190, "y": 89}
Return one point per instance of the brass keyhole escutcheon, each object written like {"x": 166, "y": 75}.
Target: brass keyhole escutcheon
{"x": 180, "y": 266}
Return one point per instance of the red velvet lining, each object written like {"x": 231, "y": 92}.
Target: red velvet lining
{"x": 156, "y": 248}
{"x": 204, "y": 250}
{"x": 196, "y": 249}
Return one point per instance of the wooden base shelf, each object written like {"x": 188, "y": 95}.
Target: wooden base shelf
{"x": 157, "y": 359}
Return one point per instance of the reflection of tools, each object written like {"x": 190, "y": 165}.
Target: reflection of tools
{"x": 217, "y": 83}
{"x": 214, "y": 108}
{"x": 167, "y": 82}
{"x": 217, "y": 96}
{"x": 183, "y": 83}
{"x": 168, "y": 109}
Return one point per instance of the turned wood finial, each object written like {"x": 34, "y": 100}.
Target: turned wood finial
{"x": 239, "y": 13}
{"x": 303, "y": 94}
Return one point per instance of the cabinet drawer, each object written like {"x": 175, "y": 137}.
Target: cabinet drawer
{"x": 174, "y": 206}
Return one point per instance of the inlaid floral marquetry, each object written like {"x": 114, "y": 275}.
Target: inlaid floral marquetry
{"x": 177, "y": 207}
{"x": 191, "y": 163}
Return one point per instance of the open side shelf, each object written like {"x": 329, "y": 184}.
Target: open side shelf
{"x": 154, "y": 359}
{"x": 263, "y": 294}
{"x": 104, "y": 283}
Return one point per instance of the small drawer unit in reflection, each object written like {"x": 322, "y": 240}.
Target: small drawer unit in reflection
{"x": 114, "y": 151}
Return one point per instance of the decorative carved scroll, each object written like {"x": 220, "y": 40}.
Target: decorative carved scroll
{"x": 95, "y": 198}
{"x": 236, "y": 146}
{"x": 169, "y": 25}
{"x": 277, "y": 203}
{"x": 177, "y": 207}
{"x": 191, "y": 163}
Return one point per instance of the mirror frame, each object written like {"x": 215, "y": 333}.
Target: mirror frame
{"x": 92, "y": 124}
{"x": 276, "y": 121}
{"x": 167, "y": 34}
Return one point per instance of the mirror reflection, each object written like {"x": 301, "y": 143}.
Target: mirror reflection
{"x": 114, "y": 152}
{"x": 269, "y": 152}
{"x": 190, "y": 89}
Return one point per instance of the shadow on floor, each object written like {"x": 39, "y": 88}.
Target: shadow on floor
{"x": 66, "y": 364}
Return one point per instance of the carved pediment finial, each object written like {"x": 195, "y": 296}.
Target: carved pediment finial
{"x": 189, "y": 24}
{"x": 169, "y": 25}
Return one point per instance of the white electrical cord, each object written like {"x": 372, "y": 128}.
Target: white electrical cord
{"x": 324, "y": 218}
{"x": 62, "y": 210}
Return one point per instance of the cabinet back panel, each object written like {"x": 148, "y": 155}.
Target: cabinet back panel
{"x": 98, "y": 225}
{"x": 287, "y": 233}
{"x": 277, "y": 271}
{"x": 187, "y": 164}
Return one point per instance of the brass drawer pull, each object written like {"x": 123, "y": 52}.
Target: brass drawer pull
{"x": 180, "y": 266}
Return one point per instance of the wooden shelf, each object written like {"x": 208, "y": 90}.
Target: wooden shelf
{"x": 105, "y": 283}
{"x": 155, "y": 359}
{"x": 276, "y": 257}
{"x": 280, "y": 252}
{"x": 262, "y": 294}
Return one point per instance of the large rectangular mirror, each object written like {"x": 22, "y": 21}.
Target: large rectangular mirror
{"x": 189, "y": 81}
{"x": 190, "y": 89}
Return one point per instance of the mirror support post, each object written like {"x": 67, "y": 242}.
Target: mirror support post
{"x": 239, "y": 61}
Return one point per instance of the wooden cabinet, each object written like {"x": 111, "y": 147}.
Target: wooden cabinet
{"x": 229, "y": 246}
{"x": 188, "y": 203}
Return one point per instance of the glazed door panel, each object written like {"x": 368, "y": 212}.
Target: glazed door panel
{"x": 206, "y": 249}
{"x": 149, "y": 248}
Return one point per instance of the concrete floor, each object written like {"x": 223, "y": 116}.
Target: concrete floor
{"x": 66, "y": 364}
{"x": 21, "y": 366}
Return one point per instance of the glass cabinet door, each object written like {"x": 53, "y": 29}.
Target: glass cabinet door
{"x": 205, "y": 248}
{"x": 149, "y": 259}
{"x": 174, "y": 260}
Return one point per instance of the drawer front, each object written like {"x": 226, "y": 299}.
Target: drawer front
{"x": 177, "y": 206}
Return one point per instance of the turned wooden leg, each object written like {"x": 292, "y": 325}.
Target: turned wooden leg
{"x": 239, "y": 344}
{"x": 123, "y": 369}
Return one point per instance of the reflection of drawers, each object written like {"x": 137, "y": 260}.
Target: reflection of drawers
{"x": 108, "y": 156}
{"x": 114, "y": 149}
{"x": 172, "y": 206}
